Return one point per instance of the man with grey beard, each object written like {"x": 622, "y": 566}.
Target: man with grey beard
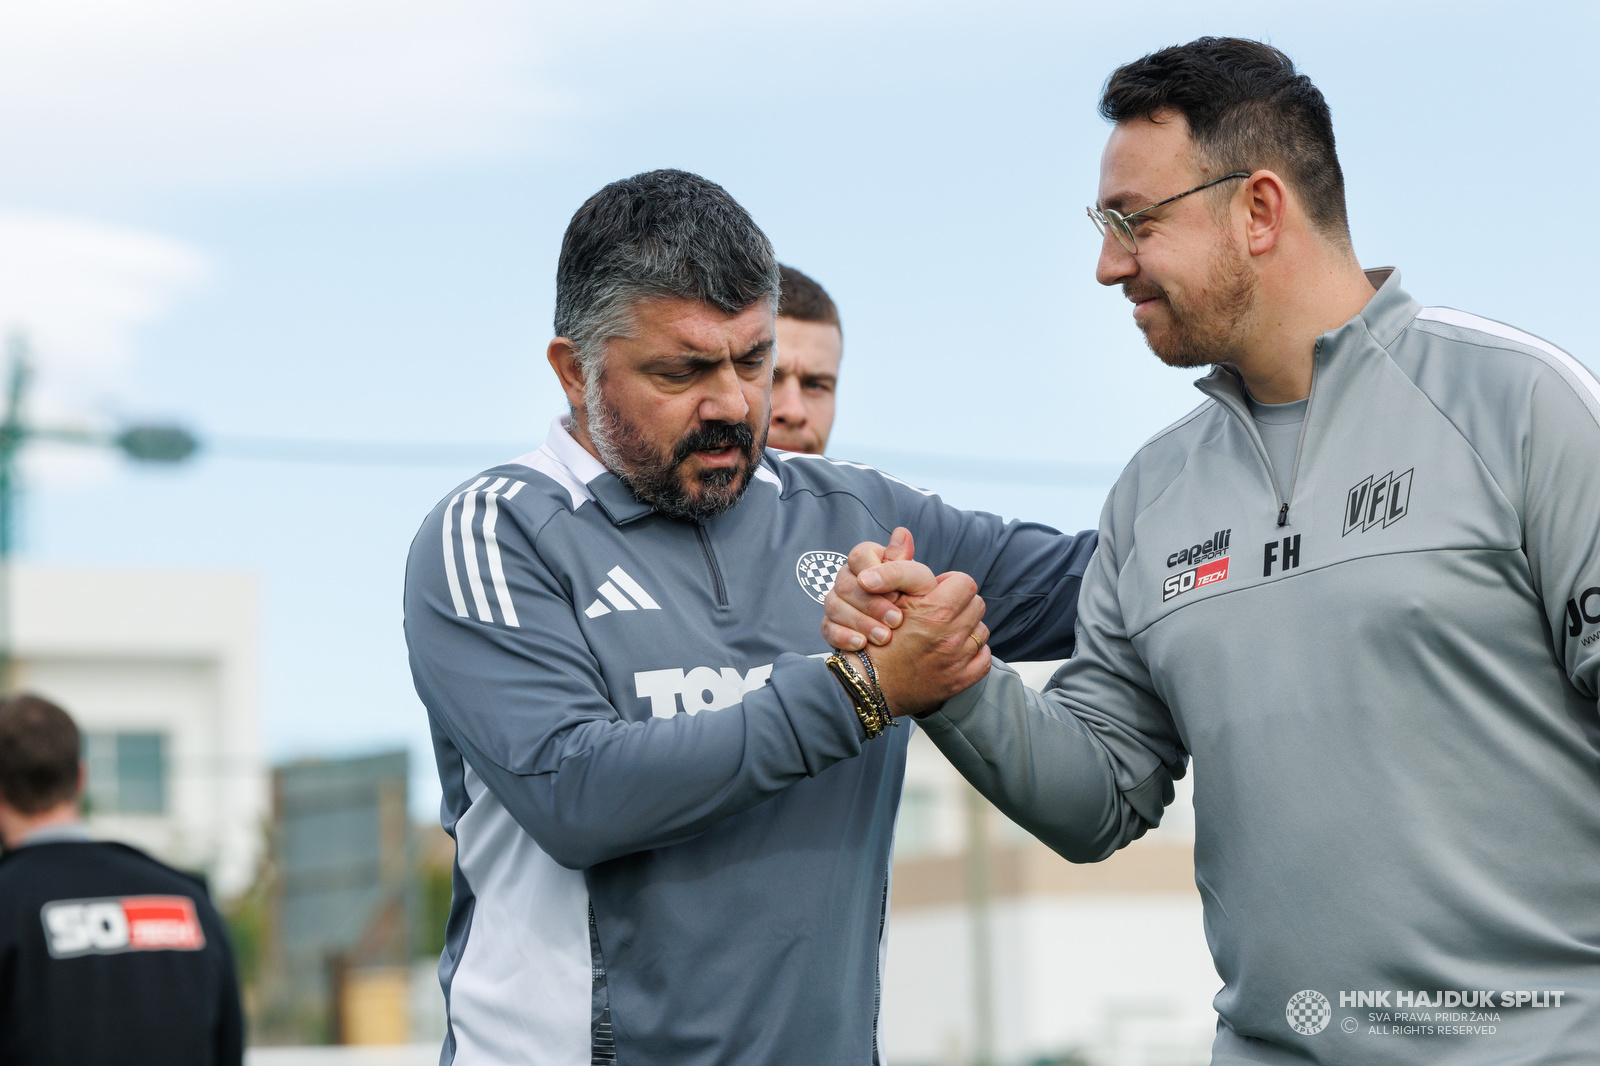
{"x": 672, "y": 816}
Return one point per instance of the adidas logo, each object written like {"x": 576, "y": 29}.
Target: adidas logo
{"x": 616, "y": 593}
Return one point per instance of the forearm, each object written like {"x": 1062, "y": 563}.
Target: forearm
{"x": 1032, "y": 592}
{"x": 1041, "y": 766}
{"x": 612, "y": 787}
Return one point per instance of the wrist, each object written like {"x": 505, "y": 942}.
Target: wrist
{"x": 865, "y": 695}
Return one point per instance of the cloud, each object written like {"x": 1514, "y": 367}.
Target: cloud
{"x": 112, "y": 94}
{"x": 77, "y": 292}
{"x": 121, "y": 97}
{"x": 79, "y": 289}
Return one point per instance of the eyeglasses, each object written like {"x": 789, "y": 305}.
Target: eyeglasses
{"x": 1119, "y": 225}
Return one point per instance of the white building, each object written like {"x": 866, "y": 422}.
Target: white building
{"x": 159, "y": 671}
{"x": 1103, "y": 963}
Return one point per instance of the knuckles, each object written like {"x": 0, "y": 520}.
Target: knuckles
{"x": 962, "y": 584}
{"x": 864, "y": 555}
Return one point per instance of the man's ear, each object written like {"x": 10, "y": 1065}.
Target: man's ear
{"x": 1266, "y": 201}
{"x": 563, "y": 356}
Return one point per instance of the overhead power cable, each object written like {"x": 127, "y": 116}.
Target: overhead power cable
{"x": 911, "y": 465}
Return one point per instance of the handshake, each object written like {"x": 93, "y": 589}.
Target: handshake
{"x": 924, "y": 632}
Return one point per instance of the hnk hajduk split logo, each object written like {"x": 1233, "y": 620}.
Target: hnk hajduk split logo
{"x": 1308, "y": 1012}
{"x": 817, "y": 571}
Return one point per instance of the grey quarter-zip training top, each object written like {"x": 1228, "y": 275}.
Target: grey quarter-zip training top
{"x": 1383, "y": 664}
{"x": 672, "y": 840}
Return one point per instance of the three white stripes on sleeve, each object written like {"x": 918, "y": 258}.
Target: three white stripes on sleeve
{"x": 469, "y": 545}
{"x": 616, "y": 591}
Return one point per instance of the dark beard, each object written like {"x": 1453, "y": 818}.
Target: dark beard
{"x": 1208, "y": 333}
{"x": 659, "y": 480}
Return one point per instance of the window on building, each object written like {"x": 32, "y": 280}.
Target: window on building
{"x": 127, "y": 772}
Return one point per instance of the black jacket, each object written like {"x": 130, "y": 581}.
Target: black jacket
{"x": 108, "y": 956}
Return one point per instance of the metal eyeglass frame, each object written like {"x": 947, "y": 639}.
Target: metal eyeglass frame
{"x": 1118, "y": 224}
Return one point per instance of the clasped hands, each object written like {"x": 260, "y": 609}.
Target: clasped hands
{"x": 924, "y": 632}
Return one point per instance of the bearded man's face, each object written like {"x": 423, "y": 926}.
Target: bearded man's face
{"x": 1202, "y": 323}
{"x": 1193, "y": 289}
{"x": 680, "y": 409}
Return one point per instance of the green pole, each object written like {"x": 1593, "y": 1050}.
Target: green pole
{"x": 12, "y": 434}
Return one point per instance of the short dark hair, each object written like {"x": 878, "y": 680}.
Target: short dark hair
{"x": 664, "y": 233}
{"x": 1247, "y": 108}
{"x": 804, "y": 299}
{"x": 39, "y": 751}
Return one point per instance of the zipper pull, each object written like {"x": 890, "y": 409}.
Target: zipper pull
{"x": 1283, "y": 515}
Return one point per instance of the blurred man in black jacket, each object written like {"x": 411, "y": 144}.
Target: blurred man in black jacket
{"x": 106, "y": 955}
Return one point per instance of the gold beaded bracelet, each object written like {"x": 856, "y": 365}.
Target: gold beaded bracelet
{"x": 873, "y": 720}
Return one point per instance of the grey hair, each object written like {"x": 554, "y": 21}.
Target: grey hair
{"x": 664, "y": 233}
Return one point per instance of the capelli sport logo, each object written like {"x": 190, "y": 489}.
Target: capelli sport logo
{"x": 1208, "y": 563}
{"x": 1214, "y": 545}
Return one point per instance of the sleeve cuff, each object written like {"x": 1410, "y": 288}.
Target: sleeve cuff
{"x": 831, "y": 725}
{"x": 959, "y": 706}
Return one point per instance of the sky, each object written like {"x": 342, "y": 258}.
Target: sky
{"x": 338, "y": 221}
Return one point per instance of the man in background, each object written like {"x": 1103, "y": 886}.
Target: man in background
{"x": 806, "y": 377}
{"x": 106, "y": 955}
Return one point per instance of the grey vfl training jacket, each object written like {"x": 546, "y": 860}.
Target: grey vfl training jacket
{"x": 1388, "y": 691}
{"x": 669, "y": 830}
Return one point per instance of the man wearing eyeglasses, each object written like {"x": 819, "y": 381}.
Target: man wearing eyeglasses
{"x": 1359, "y": 585}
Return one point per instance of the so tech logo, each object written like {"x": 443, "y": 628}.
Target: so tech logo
{"x": 112, "y": 926}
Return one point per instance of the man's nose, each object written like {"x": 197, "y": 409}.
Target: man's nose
{"x": 1116, "y": 264}
{"x": 724, "y": 400}
{"x": 786, "y": 403}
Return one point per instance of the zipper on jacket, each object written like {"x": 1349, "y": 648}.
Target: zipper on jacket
{"x": 711, "y": 565}
{"x": 1254, "y": 432}
{"x": 1242, "y": 413}
{"x": 877, "y": 987}
{"x": 1299, "y": 446}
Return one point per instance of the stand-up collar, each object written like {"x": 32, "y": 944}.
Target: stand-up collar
{"x": 1386, "y": 315}
{"x": 613, "y": 497}
{"x": 564, "y": 447}
{"x": 1391, "y": 308}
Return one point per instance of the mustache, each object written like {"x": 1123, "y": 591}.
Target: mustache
{"x": 712, "y": 436}
{"x": 1136, "y": 293}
